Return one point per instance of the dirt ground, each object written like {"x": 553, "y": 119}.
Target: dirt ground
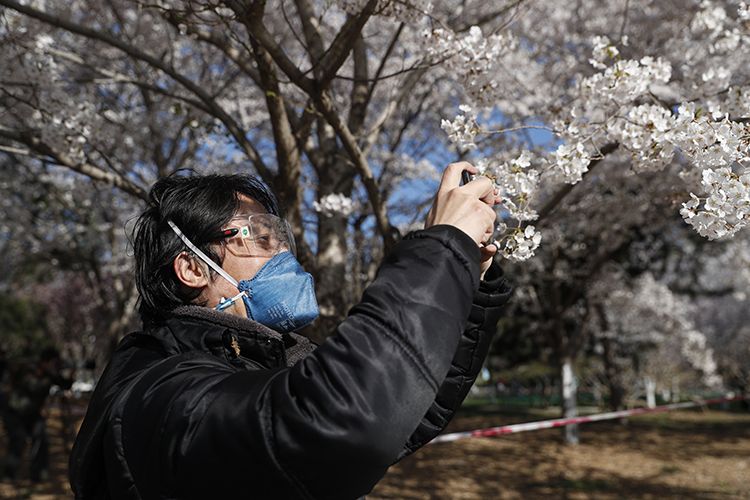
{"x": 687, "y": 454}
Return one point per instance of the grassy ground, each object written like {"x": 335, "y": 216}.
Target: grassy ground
{"x": 687, "y": 454}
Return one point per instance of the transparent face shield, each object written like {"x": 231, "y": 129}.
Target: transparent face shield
{"x": 259, "y": 235}
{"x": 256, "y": 235}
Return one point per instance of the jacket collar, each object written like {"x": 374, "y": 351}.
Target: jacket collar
{"x": 221, "y": 334}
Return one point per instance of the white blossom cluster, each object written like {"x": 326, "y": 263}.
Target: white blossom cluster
{"x": 520, "y": 244}
{"x": 610, "y": 108}
{"x": 646, "y": 132}
{"x": 728, "y": 269}
{"x": 335, "y": 204}
{"x": 463, "y": 129}
{"x": 71, "y": 130}
{"x": 710, "y": 18}
{"x": 725, "y": 210}
{"x": 706, "y": 142}
{"x": 626, "y": 80}
{"x": 720, "y": 26}
{"x": 568, "y": 163}
{"x": 480, "y": 61}
{"x": 516, "y": 182}
{"x": 404, "y": 10}
{"x": 603, "y": 52}
{"x": 651, "y": 133}
{"x": 743, "y": 11}
{"x": 701, "y": 357}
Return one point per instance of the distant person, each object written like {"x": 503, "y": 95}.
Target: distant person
{"x": 29, "y": 384}
{"x": 3, "y": 366}
{"x": 219, "y": 398}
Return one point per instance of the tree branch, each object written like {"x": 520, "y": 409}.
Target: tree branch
{"x": 313, "y": 38}
{"x": 339, "y": 49}
{"x": 251, "y": 15}
{"x": 386, "y": 230}
{"x": 220, "y": 42}
{"x": 360, "y": 90}
{"x": 87, "y": 169}
{"x": 287, "y": 182}
{"x": 213, "y": 108}
{"x": 386, "y": 56}
{"x": 405, "y": 93}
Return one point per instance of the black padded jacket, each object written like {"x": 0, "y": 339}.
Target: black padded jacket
{"x": 208, "y": 405}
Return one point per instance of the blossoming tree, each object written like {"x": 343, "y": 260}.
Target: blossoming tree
{"x": 596, "y": 121}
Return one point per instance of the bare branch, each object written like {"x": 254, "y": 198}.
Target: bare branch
{"x": 287, "y": 182}
{"x": 311, "y": 32}
{"x": 252, "y": 17}
{"x": 121, "y": 78}
{"x": 405, "y": 92}
{"x": 360, "y": 89}
{"x": 222, "y": 43}
{"x": 388, "y": 233}
{"x": 339, "y": 49}
{"x": 92, "y": 171}
{"x": 383, "y": 61}
{"x": 336, "y": 54}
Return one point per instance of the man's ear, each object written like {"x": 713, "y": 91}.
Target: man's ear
{"x": 190, "y": 271}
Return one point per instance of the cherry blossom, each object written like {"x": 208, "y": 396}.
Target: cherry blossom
{"x": 334, "y": 204}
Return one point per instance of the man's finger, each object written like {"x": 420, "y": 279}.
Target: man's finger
{"x": 490, "y": 197}
{"x": 488, "y": 250}
{"x": 479, "y": 187}
{"x": 452, "y": 175}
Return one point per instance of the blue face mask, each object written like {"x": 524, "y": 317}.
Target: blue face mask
{"x": 280, "y": 296}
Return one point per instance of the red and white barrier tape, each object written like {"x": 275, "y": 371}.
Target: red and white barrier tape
{"x": 561, "y": 422}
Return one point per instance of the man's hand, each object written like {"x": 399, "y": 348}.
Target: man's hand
{"x": 467, "y": 207}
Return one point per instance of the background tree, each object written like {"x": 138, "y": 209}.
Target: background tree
{"x": 599, "y": 123}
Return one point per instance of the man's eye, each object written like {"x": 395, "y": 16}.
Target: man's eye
{"x": 263, "y": 240}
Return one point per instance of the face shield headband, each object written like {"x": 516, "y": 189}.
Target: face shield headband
{"x": 213, "y": 265}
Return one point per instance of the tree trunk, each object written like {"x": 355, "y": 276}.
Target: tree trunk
{"x": 333, "y": 290}
{"x": 616, "y": 390}
{"x": 650, "y": 392}
{"x": 569, "y": 390}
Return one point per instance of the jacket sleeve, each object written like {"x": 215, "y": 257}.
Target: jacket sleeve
{"x": 330, "y": 426}
{"x": 494, "y": 291}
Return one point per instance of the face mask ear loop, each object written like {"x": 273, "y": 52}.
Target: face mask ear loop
{"x": 213, "y": 265}
{"x": 224, "y": 303}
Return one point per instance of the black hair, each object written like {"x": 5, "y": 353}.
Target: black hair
{"x": 200, "y": 205}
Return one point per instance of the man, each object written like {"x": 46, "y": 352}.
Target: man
{"x": 219, "y": 398}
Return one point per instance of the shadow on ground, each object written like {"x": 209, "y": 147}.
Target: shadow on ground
{"x": 688, "y": 454}
{"x": 697, "y": 455}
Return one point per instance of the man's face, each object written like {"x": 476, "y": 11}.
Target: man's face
{"x": 240, "y": 267}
